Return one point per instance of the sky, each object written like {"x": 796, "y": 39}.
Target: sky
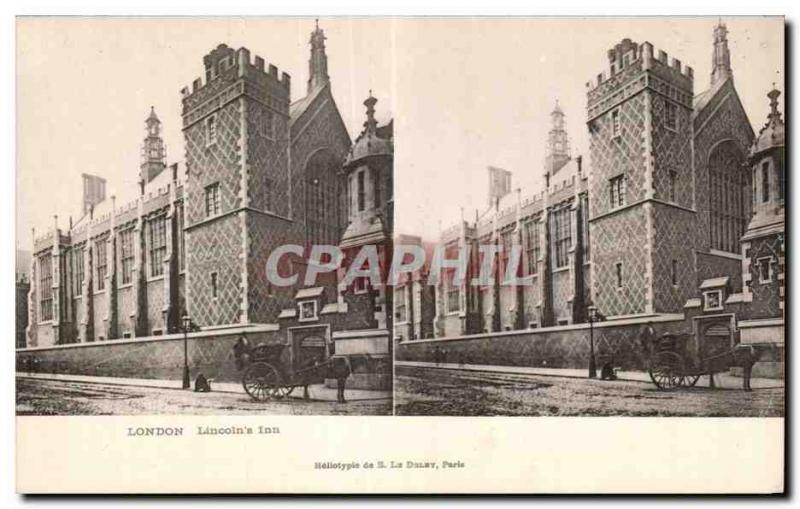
{"x": 465, "y": 93}
{"x": 85, "y": 87}
{"x": 484, "y": 89}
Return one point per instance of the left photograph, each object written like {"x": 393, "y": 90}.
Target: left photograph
{"x": 204, "y": 216}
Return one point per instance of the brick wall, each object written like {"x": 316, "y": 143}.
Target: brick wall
{"x": 672, "y": 227}
{"x": 553, "y": 347}
{"x": 21, "y": 316}
{"x": 621, "y": 238}
{"x": 154, "y": 357}
{"x": 766, "y": 296}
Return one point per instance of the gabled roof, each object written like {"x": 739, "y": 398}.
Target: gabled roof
{"x": 701, "y": 112}
{"x": 297, "y": 108}
{"x": 306, "y": 293}
{"x": 704, "y": 98}
{"x": 714, "y": 282}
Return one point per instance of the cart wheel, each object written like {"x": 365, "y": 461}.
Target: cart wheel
{"x": 666, "y": 370}
{"x": 260, "y": 381}
{"x": 283, "y": 391}
{"x": 690, "y": 380}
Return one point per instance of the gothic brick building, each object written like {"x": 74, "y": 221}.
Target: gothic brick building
{"x": 747, "y": 305}
{"x": 659, "y": 205}
{"x": 353, "y": 317}
{"x": 413, "y": 297}
{"x": 260, "y": 171}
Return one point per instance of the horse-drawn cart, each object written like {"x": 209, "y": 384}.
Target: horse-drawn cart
{"x": 270, "y": 373}
{"x": 674, "y": 361}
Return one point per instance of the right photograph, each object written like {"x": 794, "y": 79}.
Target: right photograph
{"x": 589, "y": 217}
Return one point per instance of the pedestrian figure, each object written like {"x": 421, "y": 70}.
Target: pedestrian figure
{"x": 647, "y": 336}
{"x": 341, "y": 369}
{"x": 201, "y": 384}
{"x": 241, "y": 352}
{"x": 310, "y": 362}
{"x": 607, "y": 371}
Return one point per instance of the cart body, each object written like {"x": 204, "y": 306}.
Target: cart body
{"x": 676, "y": 360}
{"x": 271, "y": 372}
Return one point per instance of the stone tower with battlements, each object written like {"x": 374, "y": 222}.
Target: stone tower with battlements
{"x": 642, "y": 212}
{"x": 239, "y": 204}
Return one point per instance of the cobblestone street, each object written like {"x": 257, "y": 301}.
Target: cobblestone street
{"x": 434, "y": 391}
{"x": 59, "y": 397}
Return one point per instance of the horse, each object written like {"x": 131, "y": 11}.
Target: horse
{"x": 744, "y": 356}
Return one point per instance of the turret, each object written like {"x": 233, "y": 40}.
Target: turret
{"x": 153, "y": 150}
{"x": 767, "y": 163}
{"x": 557, "y": 142}
{"x": 94, "y": 191}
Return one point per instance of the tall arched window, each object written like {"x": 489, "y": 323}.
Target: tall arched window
{"x": 322, "y": 198}
{"x": 728, "y": 196}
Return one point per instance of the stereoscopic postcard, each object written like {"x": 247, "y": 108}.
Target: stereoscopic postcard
{"x": 400, "y": 255}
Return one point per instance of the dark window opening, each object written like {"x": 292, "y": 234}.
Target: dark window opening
{"x": 126, "y": 255}
{"x": 157, "y": 229}
{"x": 101, "y": 263}
{"x": 212, "y": 200}
{"x": 672, "y": 179}
{"x": 46, "y": 287}
{"x": 360, "y": 184}
{"x": 617, "y": 191}
{"x": 563, "y": 236}
{"x": 674, "y": 272}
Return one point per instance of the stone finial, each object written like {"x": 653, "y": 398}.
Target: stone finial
{"x": 773, "y": 103}
{"x": 371, "y": 124}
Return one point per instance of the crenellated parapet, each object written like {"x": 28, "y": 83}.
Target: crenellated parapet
{"x": 48, "y": 240}
{"x": 44, "y": 241}
{"x": 634, "y": 67}
{"x": 562, "y": 191}
{"x": 230, "y": 74}
{"x": 155, "y": 200}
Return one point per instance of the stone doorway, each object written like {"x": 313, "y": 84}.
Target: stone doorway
{"x": 309, "y": 344}
{"x": 714, "y": 336}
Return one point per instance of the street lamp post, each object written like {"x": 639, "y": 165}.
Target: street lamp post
{"x": 186, "y": 322}
{"x": 592, "y": 319}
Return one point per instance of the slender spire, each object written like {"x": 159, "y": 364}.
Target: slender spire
{"x": 773, "y": 134}
{"x": 371, "y": 124}
{"x": 558, "y": 153}
{"x": 721, "y": 59}
{"x": 774, "y": 114}
{"x": 152, "y": 117}
{"x": 153, "y": 150}
{"x": 318, "y": 63}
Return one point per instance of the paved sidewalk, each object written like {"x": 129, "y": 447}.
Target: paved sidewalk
{"x": 722, "y": 380}
{"x": 316, "y": 392}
